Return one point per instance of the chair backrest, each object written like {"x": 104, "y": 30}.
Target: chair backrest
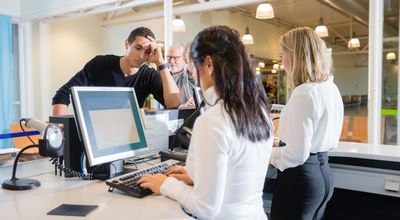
{"x": 346, "y": 99}
{"x": 344, "y": 135}
{"x": 360, "y": 128}
{"x": 21, "y": 142}
{"x": 355, "y": 98}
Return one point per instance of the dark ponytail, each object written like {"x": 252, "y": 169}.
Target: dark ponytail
{"x": 235, "y": 82}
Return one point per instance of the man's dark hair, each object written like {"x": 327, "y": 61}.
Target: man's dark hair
{"x": 140, "y": 31}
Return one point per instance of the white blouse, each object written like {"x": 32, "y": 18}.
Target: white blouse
{"x": 228, "y": 171}
{"x": 310, "y": 122}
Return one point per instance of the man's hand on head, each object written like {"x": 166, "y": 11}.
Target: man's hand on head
{"x": 153, "y": 51}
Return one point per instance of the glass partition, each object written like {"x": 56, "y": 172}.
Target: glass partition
{"x": 390, "y": 70}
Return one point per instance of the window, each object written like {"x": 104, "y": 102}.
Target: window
{"x": 16, "y": 81}
{"x": 10, "y": 76}
{"x": 390, "y": 87}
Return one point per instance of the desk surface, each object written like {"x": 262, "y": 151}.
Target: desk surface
{"x": 367, "y": 151}
{"x": 55, "y": 190}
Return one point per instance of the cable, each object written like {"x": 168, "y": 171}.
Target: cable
{"x": 185, "y": 122}
{"x": 131, "y": 162}
{"x": 61, "y": 167}
{"x": 22, "y": 128}
{"x": 17, "y": 159}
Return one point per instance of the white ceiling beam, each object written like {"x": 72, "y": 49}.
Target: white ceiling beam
{"x": 64, "y": 10}
{"x": 111, "y": 14}
{"x": 390, "y": 39}
{"x": 360, "y": 52}
{"x": 80, "y": 11}
{"x": 197, "y": 7}
{"x": 338, "y": 34}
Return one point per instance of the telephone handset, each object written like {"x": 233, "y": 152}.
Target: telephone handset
{"x": 184, "y": 136}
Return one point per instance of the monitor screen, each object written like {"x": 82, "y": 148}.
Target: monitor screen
{"x": 109, "y": 122}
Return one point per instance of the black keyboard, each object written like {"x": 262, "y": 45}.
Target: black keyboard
{"x": 128, "y": 182}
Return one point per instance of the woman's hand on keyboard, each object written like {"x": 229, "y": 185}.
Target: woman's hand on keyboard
{"x": 179, "y": 173}
{"x": 183, "y": 177}
{"x": 175, "y": 170}
{"x": 152, "y": 182}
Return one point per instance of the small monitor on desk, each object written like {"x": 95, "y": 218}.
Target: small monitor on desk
{"x": 109, "y": 123}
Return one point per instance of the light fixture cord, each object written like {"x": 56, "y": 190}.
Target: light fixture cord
{"x": 351, "y": 27}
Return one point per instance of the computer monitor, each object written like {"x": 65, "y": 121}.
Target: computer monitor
{"x": 109, "y": 123}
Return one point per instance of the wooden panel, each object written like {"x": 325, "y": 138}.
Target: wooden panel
{"x": 344, "y": 135}
{"x": 360, "y": 128}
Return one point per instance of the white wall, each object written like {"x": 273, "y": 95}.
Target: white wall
{"x": 115, "y": 36}
{"x": 12, "y": 7}
{"x": 69, "y": 45}
{"x": 350, "y": 80}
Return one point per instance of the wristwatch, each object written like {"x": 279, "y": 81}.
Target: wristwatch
{"x": 161, "y": 67}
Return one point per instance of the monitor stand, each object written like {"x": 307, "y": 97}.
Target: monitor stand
{"x": 109, "y": 170}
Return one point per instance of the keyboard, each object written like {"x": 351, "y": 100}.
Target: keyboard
{"x": 128, "y": 182}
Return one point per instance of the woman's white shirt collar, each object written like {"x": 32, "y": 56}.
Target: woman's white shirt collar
{"x": 210, "y": 96}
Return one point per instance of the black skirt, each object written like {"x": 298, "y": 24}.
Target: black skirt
{"x": 302, "y": 192}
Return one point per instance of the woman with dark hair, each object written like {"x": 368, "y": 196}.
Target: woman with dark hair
{"x": 232, "y": 141}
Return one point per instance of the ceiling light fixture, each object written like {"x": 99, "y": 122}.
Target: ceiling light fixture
{"x": 321, "y": 29}
{"x": 275, "y": 66}
{"x": 247, "y": 38}
{"x": 178, "y": 25}
{"x": 391, "y": 56}
{"x": 265, "y": 11}
{"x": 261, "y": 64}
{"x": 353, "y": 42}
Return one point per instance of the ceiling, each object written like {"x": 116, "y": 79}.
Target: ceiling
{"x": 341, "y": 17}
{"x": 338, "y": 16}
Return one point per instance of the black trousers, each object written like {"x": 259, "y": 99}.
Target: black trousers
{"x": 302, "y": 192}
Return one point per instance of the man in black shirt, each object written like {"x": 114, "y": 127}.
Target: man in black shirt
{"x": 111, "y": 70}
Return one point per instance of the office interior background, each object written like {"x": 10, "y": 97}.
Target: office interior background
{"x": 52, "y": 40}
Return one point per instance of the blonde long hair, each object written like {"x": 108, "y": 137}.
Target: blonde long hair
{"x": 308, "y": 54}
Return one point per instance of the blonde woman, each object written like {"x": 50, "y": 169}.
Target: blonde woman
{"x": 310, "y": 126}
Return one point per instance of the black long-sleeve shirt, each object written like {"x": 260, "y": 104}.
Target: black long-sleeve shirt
{"x": 106, "y": 71}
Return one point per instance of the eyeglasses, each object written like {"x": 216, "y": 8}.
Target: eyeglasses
{"x": 173, "y": 57}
